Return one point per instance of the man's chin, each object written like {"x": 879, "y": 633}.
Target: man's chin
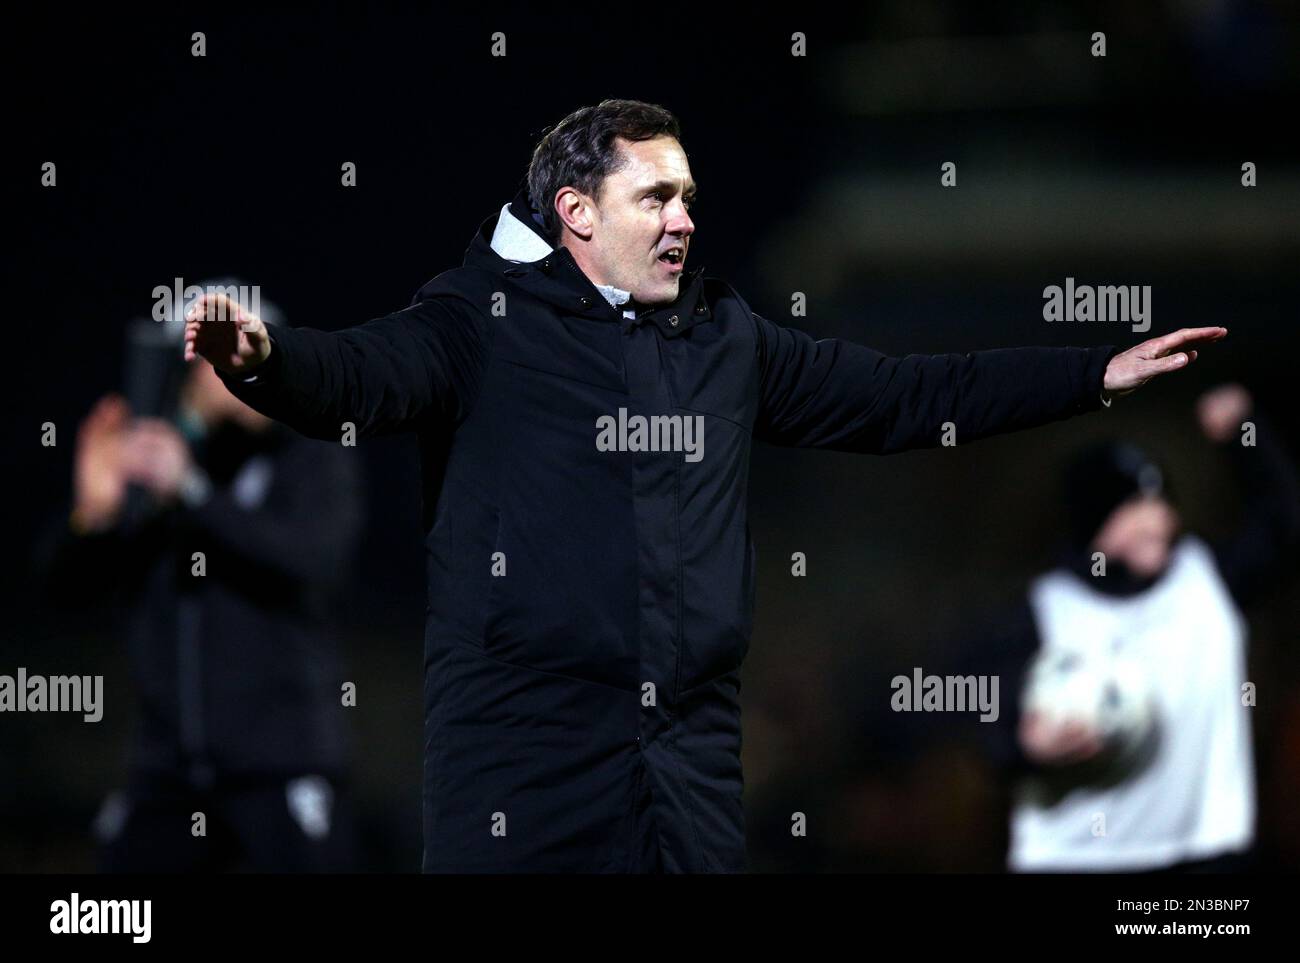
{"x": 658, "y": 295}
{"x": 1149, "y": 563}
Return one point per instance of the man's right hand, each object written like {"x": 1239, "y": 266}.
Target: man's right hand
{"x": 1222, "y": 412}
{"x": 232, "y": 339}
{"x": 99, "y": 479}
{"x": 1057, "y": 744}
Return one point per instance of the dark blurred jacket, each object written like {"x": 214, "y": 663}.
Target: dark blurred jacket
{"x": 237, "y": 671}
{"x": 624, "y": 569}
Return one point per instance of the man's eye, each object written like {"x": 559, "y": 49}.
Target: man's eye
{"x": 658, "y": 196}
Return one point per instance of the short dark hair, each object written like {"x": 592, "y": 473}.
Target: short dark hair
{"x": 579, "y": 151}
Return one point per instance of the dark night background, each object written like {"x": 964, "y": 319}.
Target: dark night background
{"x": 817, "y": 174}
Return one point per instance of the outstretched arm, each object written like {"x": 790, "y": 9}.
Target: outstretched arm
{"x": 1267, "y": 540}
{"x": 843, "y": 396}
{"x": 382, "y": 376}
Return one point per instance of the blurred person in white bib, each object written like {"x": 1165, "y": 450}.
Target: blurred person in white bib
{"x": 1134, "y": 726}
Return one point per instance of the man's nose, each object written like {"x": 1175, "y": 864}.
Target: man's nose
{"x": 680, "y": 224}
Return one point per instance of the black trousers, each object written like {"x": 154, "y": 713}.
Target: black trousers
{"x": 162, "y": 823}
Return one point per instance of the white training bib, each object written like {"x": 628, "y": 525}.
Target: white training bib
{"x": 1195, "y": 797}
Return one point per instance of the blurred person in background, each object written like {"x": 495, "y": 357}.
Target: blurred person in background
{"x": 1132, "y": 747}
{"x": 236, "y": 668}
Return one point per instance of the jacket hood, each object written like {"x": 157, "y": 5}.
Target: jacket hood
{"x": 519, "y": 232}
{"x": 512, "y": 242}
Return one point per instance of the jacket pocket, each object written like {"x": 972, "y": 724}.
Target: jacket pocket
{"x": 717, "y": 601}
{"x": 713, "y": 375}
{"x": 564, "y": 601}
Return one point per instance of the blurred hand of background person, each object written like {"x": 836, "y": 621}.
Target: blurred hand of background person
{"x": 1049, "y": 744}
{"x": 99, "y": 477}
{"x": 1221, "y": 411}
{"x": 115, "y": 450}
{"x": 156, "y": 457}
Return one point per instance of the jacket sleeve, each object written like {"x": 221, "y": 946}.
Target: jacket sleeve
{"x": 843, "y": 396}
{"x": 310, "y": 538}
{"x": 1265, "y": 544}
{"x": 384, "y": 376}
{"x": 78, "y": 571}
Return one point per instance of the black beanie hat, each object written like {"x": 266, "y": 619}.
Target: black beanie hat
{"x": 1103, "y": 477}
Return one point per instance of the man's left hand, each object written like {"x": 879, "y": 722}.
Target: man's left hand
{"x": 1133, "y": 368}
{"x": 157, "y": 457}
{"x": 1222, "y": 411}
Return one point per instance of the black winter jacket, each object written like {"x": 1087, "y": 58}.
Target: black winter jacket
{"x": 588, "y": 609}
{"x": 236, "y": 672}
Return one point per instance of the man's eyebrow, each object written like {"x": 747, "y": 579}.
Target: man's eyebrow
{"x": 667, "y": 185}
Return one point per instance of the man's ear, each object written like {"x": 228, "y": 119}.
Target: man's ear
{"x": 575, "y": 211}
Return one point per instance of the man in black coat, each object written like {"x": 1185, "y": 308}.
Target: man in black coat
{"x": 585, "y": 411}
{"x": 224, "y": 578}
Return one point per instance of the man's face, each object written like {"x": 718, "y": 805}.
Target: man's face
{"x": 624, "y": 236}
{"x": 1140, "y": 533}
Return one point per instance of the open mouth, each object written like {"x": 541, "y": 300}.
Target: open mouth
{"x": 673, "y": 257}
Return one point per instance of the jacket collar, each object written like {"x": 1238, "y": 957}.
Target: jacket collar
{"x": 518, "y": 234}
{"x": 512, "y": 243}
{"x": 1120, "y": 582}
